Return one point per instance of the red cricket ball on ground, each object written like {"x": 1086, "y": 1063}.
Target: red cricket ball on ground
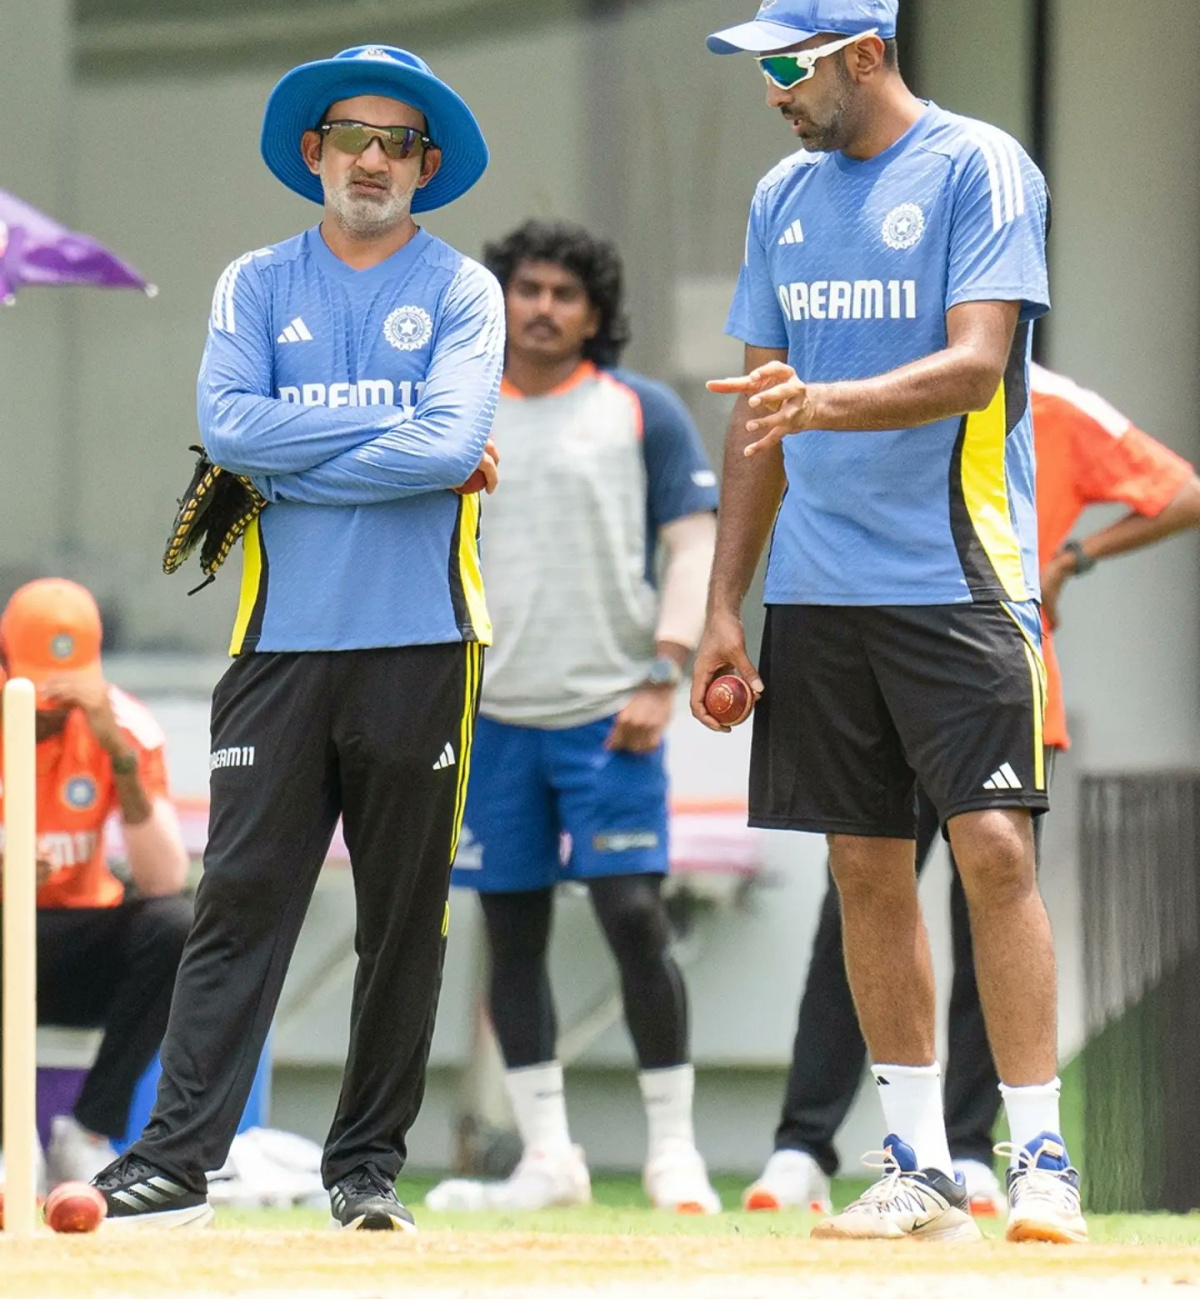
{"x": 74, "y": 1206}
{"x": 729, "y": 699}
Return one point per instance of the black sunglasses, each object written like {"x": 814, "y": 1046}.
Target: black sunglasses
{"x": 355, "y": 137}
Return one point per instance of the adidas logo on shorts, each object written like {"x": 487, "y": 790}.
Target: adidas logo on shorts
{"x": 1005, "y": 778}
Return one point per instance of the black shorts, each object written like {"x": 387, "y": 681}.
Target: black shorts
{"x": 861, "y": 703}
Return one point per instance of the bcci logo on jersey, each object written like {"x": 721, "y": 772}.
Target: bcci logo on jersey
{"x": 80, "y": 793}
{"x": 903, "y": 227}
{"x": 408, "y": 328}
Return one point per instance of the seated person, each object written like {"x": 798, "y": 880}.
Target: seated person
{"x": 104, "y": 959}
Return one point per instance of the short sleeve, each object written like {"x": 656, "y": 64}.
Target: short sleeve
{"x": 679, "y": 479}
{"x": 1131, "y": 468}
{"x": 755, "y": 315}
{"x": 998, "y": 229}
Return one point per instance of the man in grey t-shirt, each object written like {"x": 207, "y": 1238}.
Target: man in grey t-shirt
{"x": 603, "y": 472}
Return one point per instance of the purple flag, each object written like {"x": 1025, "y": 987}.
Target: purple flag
{"x": 36, "y": 250}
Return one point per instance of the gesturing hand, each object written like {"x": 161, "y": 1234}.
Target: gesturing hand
{"x": 780, "y": 399}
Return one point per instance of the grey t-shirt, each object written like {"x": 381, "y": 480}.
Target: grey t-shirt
{"x": 589, "y": 473}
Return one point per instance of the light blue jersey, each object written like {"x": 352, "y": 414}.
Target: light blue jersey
{"x": 851, "y": 266}
{"x": 355, "y": 401}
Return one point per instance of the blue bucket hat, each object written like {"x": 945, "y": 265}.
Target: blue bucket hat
{"x": 302, "y": 96}
{"x": 780, "y": 23}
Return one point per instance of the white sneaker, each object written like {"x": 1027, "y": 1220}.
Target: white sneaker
{"x": 75, "y": 1154}
{"x": 1043, "y": 1193}
{"x": 542, "y": 1180}
{"x": 792, "y": 1179}
{"x": 677, "y": 1179}
{"x": 907, "y": 1201}
{"x": 253, "y": 1177}
{"x": 984, "y": 1196}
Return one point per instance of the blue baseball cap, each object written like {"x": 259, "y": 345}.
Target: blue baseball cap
{"x": 780, "y": 23}
{"x": 302, "y": 96}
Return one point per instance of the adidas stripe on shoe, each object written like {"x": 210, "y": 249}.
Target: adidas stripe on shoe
{"x": 140, "y": 1195}
{"x": 365, "y": 1200}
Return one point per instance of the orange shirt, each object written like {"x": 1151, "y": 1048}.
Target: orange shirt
{"x": 76, "y": 795}
{"x": 1088, "y": 453}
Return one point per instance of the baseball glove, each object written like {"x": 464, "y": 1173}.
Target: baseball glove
{"x": 213, "y": 513}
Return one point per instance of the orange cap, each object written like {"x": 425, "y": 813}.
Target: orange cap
{"x": 51, "y": 629}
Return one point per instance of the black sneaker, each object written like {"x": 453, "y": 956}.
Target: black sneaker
{"x": 364, "y": 1200}
{"x": 140, "y": 1195}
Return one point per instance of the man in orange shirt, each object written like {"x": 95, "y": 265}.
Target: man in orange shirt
{"x": 1087, "y": 454}
{"x": 103, "y": 960}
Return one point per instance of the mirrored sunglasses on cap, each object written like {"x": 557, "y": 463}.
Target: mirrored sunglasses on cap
{"x": 788, "y": 70}
{"x": 355, "y": 137}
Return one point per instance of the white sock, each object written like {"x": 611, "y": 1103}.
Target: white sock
{"x": 540, "y": 1107}
{"x": 1031, "y": 1111}
{"x": 667, "y": 1095}
{"x": 911, "y": 1096}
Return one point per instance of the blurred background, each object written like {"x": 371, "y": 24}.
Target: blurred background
{"x": 137, "y": 121}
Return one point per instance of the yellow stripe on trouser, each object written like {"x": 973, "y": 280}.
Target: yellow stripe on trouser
{"x": 474, "y": 657}
{"x": 985, "y": 494}
{"x": 1037, "y": 677}
{"x": 251, "y": 579}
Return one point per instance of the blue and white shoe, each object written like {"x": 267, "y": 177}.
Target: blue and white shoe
{"x": 924, "y": 1204}
{"x": 1043, "y": 1193}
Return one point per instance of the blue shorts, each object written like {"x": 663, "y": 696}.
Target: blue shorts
{"x": 546, "y": 806}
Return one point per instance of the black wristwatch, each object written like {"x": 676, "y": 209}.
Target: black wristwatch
{"x": 664, "y": 671}
{"x": 124, "y": 764}
{"x": 1083, "y": 561}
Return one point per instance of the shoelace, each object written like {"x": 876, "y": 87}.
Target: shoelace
{"x": 883, "y": 1191}
{"x": 1053, "y": 1182}
{"x": 123, "y": 1171}
{"x": 367, "y": 1181}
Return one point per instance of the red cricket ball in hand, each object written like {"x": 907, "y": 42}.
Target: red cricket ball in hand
{"x": 729, "y": 699}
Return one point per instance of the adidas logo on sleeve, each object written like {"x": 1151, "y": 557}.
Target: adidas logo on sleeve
{"x": 296, "y": 332}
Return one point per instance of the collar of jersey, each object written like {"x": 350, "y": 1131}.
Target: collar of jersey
{"x": 333, "y": 265}
{"x": 583, "y": 371}
{"x": 916, "y": 132}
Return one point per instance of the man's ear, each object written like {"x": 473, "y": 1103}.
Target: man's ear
{"x": 310, "y": 150}
{"x": 431, "y": 163}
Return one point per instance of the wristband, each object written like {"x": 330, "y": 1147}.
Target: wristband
{"x": 1083, "y": 561}
{"x": 124, "y": 764}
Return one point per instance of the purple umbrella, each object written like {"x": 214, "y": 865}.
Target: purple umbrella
{"x": 36, "y": 250}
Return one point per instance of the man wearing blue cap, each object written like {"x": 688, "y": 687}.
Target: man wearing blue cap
{"x": 882, "y": 438}
{"x": 351, "y": 373}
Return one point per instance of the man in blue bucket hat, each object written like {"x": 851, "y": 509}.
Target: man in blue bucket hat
{"x": 351, "y": 373}
{"x": 882, "y": 438}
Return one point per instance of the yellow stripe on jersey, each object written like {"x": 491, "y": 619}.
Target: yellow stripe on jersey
{"x": 469, "y": 571}
{"x": 446, "y": 920}
{"x": 985, "y": 494}
{"x": 1037, "y": 677}
{"x": 251, "y": 581}
{"x": 466, "y": 735}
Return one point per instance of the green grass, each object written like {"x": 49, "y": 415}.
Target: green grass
{"x": 620, "y": 1209}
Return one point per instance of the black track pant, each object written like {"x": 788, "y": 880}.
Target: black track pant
{"x": 383, "y": 738}
{"x": 631, "y": 913}
{"x": 111, "y": 968}
{"x": 829, "y": 1054}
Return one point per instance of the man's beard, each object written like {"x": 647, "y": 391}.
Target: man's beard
{"x": 830, "y": 135}
{"x": 368, "y": 216}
